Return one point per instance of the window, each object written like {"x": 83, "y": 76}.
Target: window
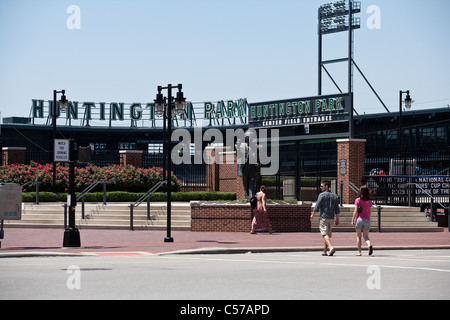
{"x": 155, "y": 148}
{"x": 127, "y": 146}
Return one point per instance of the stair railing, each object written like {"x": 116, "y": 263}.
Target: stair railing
{"x": 89, "y": 189}
{"x": 37, "y": 188}
{"x": 145, "y": 197}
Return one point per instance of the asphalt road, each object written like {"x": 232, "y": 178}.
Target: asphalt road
{"x": 390, "y": 274}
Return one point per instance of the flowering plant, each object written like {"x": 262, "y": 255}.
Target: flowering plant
{"x": 119, "y": 178}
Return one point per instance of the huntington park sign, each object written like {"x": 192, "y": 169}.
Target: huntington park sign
{"x": 290, "y": 112}
{"x": 119, "y": 111}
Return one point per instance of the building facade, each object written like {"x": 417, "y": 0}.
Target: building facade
{"x": 307, "y": 129}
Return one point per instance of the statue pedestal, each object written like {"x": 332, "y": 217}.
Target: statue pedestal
{"x": 210, "y": 216}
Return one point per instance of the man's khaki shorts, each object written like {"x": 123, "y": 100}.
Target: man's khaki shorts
{"x": 325, "y": 226}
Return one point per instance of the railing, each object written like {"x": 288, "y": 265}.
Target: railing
{"x": 145, "y": 197}
{"x": 89, "y": 189}
{"x": 393, "y": 190}
{"x": 433, "y": 200}
{"x": 351, "y": 186}
{"x": 354, "y": 188}
{"x": 37, "y": 189}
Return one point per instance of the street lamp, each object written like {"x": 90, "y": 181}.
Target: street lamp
{"x": 165, "y": 110}
{"x": 408, "y": 103}
{"x": 63, "y": 102}
{"x": 71, "y": 234}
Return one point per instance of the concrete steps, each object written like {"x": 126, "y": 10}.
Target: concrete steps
{"x": 110, "y": 216}
{"x": 117, "y": 216}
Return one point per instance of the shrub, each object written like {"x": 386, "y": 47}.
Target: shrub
{"x": 122, "y": 196}
{"x": 119, "y": 178}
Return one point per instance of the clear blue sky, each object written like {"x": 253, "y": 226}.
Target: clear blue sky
{"x": 218, "y": 49}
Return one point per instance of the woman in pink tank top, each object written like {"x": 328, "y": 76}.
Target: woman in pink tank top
{"x": 361, "y": 219}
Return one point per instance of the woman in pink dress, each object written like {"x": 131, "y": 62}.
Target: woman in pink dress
{"x": 261, "y": 219}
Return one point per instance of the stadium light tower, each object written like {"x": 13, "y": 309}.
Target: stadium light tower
{"x": 334, "y": 18}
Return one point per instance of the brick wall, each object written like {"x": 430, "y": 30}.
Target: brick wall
{"x": 237, "y": 217}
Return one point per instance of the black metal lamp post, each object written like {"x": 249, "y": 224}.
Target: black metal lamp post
{"x": 63, "y": 103}
{"x": 72, "y": 234}
{"x": 166, "y": 110}
{"x": 408, "y": 103}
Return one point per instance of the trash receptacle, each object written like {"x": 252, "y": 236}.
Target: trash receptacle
{"x": 442, "y": 217}
{"x": 10, "y": 201}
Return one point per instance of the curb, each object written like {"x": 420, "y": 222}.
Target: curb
{"x": 213, "y": 251}
{"x": 42, "y": 254}
{"x": 293, "y": 249}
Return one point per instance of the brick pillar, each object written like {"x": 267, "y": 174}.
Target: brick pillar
{"x": 14, "y": 155}
{"x": 350, "y": 166}
{"x": 131, "y": 157}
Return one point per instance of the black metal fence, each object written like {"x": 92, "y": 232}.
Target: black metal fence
{"x": 412, "y": 177}
{"x": 433, "y": 160}
{"x": 192, "y": 175}
{"x": 410, "y": 191}
{"x": 318, "y": 160}
{"x": 302, "y": 165}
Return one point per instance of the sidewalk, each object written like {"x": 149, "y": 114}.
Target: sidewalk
{"x": 29, "y": 242}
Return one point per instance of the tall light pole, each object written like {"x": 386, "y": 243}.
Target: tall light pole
{"x": 408, "y": 103}
{"x": 71, "y": 234}
{"x": 165, "y": 110}
{"x": 63, "y": 102}
{"x": 334, "y": 18}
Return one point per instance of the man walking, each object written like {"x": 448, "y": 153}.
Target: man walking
{"x": 328, "y": 204}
